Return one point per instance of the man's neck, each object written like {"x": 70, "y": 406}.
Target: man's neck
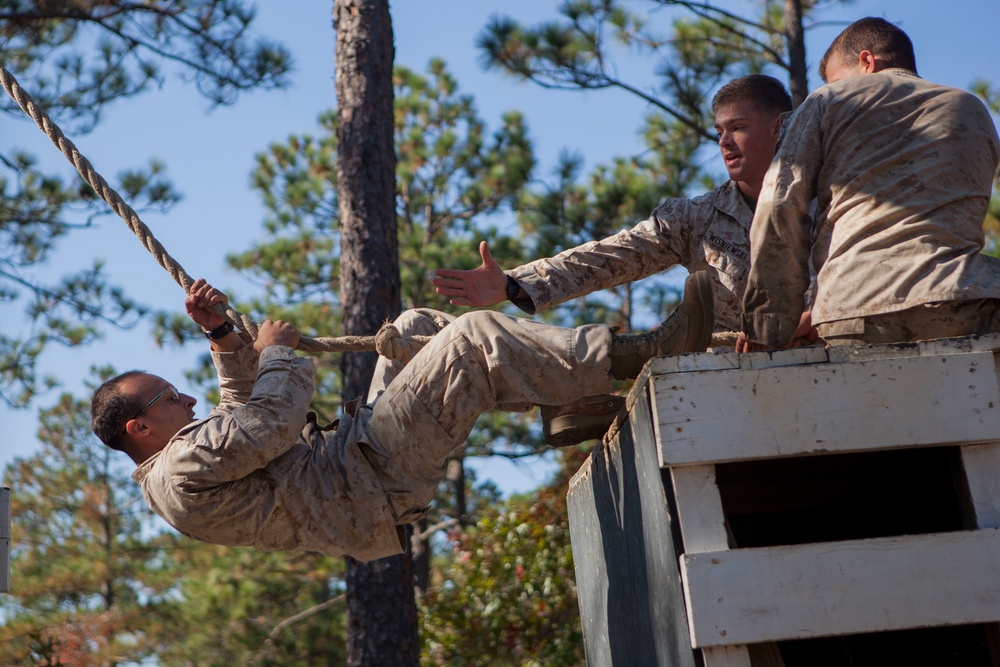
{"x": 750, "y": 193}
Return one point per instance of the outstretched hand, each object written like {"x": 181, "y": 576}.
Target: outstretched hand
{"x": 484, "y": 286}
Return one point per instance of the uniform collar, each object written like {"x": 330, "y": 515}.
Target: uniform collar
{"x": 729, "y": 200}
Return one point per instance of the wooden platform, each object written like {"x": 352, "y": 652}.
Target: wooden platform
{"x": 766, "y": 509}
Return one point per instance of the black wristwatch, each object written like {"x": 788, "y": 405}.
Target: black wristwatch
{"x": 513, "y": 289}
{"x": 220, "y": 332}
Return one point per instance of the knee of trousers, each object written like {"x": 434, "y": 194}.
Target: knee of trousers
{"x": 479, "y": 322}
{"x": 422, "y": 321}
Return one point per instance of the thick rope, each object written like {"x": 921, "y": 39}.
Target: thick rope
{"x": 388, "y": 342}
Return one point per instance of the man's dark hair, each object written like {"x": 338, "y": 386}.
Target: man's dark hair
{"x": 766, "y": 93}
{"x": 110, "y": 410}
{"x": 882, "y": 38}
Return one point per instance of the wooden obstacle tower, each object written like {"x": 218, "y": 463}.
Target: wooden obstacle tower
{"x": 814, "y": 507}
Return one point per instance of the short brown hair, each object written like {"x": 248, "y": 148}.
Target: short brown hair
{"x": 110, "y": 410}
{"x": 871, "y": 33}
{"x": 766, "y": 93}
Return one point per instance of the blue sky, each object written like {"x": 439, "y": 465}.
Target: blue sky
{"x": 209, "y": 153}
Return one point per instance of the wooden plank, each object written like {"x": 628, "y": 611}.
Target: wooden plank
{"x": 720, "y": 416}
{"x": 624, "y": 551}
{"x": 814, "y": 354}
{"x": 699, "y": 508}
{"x": 836, "y": 588}
{"x": 688, "y": 363}
{"x": 982, "y": 471}
{"x": 4, "y": 539}
{"x": 924, "y": 348}
{"x": 727, "y": 656}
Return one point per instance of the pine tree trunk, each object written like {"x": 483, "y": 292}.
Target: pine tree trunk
{"x": 795, "y": 36}
{"x": 381, "y": 612}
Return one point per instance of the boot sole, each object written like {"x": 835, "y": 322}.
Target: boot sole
{"x": 574, "y": 429}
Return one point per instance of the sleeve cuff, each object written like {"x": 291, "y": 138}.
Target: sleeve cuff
{"x": 768, "y": 329}
{"x": 527, "y": 304}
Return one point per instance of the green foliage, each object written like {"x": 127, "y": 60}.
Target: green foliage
{"x": 74, "y": 58}
{"x": 84, "y": 55}
{"x": 240, "y": 606}
{"x": 87, "y": 577}
{"x": 509, "y": 595}
{"x": 36, "y": 212}
{"x": 580, "y": 51}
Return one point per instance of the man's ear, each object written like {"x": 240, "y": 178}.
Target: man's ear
{"x": 136, "y": 428}
{"x": 868, "y": 62}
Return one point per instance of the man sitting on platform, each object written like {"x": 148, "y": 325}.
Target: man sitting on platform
{"x": 902, "y": 169}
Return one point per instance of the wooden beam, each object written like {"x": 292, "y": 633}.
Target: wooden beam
{"x": 699, "y": 507}
{"x": 837, "y": 588}
{"x": 982, "y": 471}
{"x": 730, "y": 415}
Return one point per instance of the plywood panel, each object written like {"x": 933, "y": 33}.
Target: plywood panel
{"x": 836, "y": 588}
{"x": 622, "y": 533}
{"x": 729, "y": 415}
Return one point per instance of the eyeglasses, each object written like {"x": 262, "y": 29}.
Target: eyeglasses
{"x": 169, "y": 389}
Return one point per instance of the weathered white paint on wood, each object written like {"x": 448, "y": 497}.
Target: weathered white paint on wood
{"x": 4, "y": 539}
{"x": 728, "y": 415}
{"x": 796, "y": 356}
{"x": 982, "y": 470}
{"x": 833, "y": 588}
{"x": 699, "y": 506}
{"x": 689, "y": 363}
{"x": 924, "y": 348}
{"x": 727, "y": 656}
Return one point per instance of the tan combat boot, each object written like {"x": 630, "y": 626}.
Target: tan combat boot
{"x": 687, "y": 329}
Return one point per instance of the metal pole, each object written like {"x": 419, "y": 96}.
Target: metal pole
{"x": 4, "y": 539}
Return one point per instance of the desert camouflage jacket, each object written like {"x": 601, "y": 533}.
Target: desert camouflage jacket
{"x": 706, "y": 232}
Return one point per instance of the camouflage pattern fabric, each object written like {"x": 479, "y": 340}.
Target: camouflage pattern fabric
{"x": 260, "y": 471}
{"x": 709, "y": 232}
{"x": 902, "y": 170}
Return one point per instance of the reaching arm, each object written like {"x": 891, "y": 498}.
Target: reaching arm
{"x": 481, "y": 287}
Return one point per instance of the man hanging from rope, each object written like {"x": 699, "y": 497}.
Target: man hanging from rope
{"x": 260, "y": 471}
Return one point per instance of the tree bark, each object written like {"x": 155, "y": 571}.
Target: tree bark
{"x": 798, "y": 82}
{"x": 381, "y": 611}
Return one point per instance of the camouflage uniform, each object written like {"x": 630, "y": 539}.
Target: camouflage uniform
{"x": 705, "y": 232}
{"x": 259, "y": 471}
{"x": 902, "y": 170}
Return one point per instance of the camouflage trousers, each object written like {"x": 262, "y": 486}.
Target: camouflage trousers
{"x": 943, "y": 319}
{"x": 422, "y": 412}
